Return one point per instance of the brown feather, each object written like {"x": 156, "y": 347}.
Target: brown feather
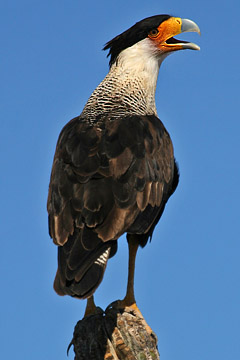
{"x": 108, "y": 178}
{"x": 143, "y": 197}
{"x": 119, "y": 165}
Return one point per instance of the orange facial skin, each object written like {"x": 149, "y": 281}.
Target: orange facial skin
{"x": 165, "y": 31}
{"x": 168, "y": 29}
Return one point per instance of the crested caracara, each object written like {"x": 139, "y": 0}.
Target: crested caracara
{"x": 114, "y": 167}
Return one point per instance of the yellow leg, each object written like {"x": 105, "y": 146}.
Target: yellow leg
{"x": 91, "y": 307}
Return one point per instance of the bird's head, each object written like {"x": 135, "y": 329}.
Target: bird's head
{"x": 156, "y": 34}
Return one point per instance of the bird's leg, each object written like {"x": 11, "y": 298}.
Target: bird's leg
{"x": 91, "y": 307}
{"x": 129, "y": 299}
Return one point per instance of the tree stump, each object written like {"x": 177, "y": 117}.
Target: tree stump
{"x": 116, "y": 334}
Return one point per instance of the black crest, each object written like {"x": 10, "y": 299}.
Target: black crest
{"x": 136, "y": 33}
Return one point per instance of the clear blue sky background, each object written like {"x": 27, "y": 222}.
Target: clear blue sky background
{"x": 188, "y": 278}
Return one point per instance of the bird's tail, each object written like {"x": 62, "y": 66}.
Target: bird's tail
{"x": 81, "y": 263}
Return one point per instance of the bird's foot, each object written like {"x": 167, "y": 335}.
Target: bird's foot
{"x": 91, "y": 308}
{"x": 130, "y": 307}
{"x": 123, "y": 304}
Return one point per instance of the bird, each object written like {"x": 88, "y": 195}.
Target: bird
{"x": 114, "y": 167}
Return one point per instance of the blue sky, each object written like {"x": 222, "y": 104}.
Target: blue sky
{"x": 187, "y": 279}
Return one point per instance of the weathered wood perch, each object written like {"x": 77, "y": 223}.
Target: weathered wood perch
{"x": 115, "y": 334}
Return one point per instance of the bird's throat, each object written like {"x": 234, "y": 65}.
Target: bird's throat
{"x": 128, "y": 89}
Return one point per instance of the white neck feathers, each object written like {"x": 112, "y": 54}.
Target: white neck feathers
{"x": 130, "y": 85}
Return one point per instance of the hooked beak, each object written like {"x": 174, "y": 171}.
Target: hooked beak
{"x": 189, "y": 26}
{"x": 165, "y": 40}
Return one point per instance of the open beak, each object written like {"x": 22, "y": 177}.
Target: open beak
{"x": 189, "y": 26}
{"x": 166, "y": 42}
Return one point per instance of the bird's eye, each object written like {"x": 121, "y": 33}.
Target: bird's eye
{"x": 153, "y": 33}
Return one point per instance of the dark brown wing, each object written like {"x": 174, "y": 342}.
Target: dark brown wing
{"x": 110, "y": 177}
